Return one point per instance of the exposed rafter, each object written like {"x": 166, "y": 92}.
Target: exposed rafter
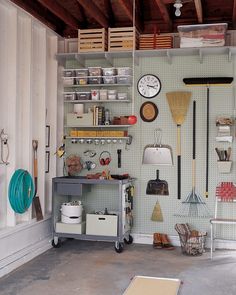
{"x": 234, "y": 14}
{"x": 109, "y": 12}
{"x": 164, "y": 12}
{"x": 128, "y": 8}
{"x": 198, "y": 6}
{"x": 60, "y": 12}
{"x": 92, "y": 9}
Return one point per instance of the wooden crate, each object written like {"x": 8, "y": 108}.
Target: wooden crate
{"x": 152, "y": 41}
{"x": 121, "y": 39}
{"x": 93, "y": 40}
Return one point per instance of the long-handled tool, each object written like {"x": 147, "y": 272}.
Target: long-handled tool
{"x": 178, "y": 102}
{"x": 194, "y": 206}
{"x": 219, "y": 81}
{"x": 36, "y": 200}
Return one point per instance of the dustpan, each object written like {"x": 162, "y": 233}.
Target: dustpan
{"x": 157, "y": 153}
{"x": 157, "y": 186}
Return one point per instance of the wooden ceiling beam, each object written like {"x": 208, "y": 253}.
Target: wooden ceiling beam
{"x": 109, "y": 12}
{"x": 198, "y": 7}
{"x": 128, "y": 8}
{"x": 164, "y": 12}
{"x": 60, "y": 12}
{"x": 92, "y": 9}
{"x": 234, "y": 15}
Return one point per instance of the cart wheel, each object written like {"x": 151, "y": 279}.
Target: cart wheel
{"x": 119, "y": 247}
{"x": 56, "y": 242}
{"x": 129, "y": 241}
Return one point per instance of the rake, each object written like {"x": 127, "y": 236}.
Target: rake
{"x": 194, "y": 206}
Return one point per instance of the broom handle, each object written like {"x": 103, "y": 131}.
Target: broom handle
{"x": 179, "y": 160}
{"x": 207, "y": 143}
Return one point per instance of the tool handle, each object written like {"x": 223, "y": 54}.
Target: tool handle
{"x": 119, "y": 158}
{"x": 179, "y": 161}
{"x": 207, "y": 143}
{"x": 157, "y": 174}
{"x": 35, "y": 168}
{"x": 194, "y": 130}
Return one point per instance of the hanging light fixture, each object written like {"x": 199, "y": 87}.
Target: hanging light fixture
{"x": 178, "y": 4}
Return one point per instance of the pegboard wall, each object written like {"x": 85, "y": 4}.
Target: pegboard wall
{"x": 222, "y": 102}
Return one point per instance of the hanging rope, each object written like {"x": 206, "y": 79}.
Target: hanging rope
{"x": 21, "y": 191}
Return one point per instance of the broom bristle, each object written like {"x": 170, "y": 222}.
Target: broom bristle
{"x": 178, "y": 102}
{"x": 157, "y": 213}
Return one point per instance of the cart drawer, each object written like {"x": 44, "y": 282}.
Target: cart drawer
{"x": 101, "y": 225}
{"x": 74, "y": 189}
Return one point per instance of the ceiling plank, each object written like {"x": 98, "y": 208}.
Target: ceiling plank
{"x": 198, "y": 6}
{"x": 60, "y": 12}
{"x": 92, "y": 9}
{"x": 164, "y": 12}
{"x": 234, "y": 15}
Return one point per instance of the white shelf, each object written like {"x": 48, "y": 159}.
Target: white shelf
{"x": 97, "y": 101}
{"x": 96, "y": 85}
{"x": 99, "y": 126}
{"x": 94, "y": 137}
{"x": 169, "y": 53}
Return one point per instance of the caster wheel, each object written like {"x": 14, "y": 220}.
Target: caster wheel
{"x": 119, "y": 247}
{"x": 56, "y": 243}
{"x": 129, "y": 241}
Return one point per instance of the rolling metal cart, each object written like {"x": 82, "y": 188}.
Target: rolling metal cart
{"x": 65, "y": 188}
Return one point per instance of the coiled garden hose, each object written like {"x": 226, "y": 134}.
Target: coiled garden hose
{"x": 21, "y": 191}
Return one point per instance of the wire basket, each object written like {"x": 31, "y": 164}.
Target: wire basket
{"x": 192, "y": 245}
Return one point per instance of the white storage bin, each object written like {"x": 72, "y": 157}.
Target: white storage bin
{"x": 109, "y": 71}
{"x": 101, "y": 225}
{"x": 112, "y": 94}
{"x": 95, "y": 71}
{"x": 124, "y": 71}
{"x": 103, "y": 94}
{"x": 68, "y": 73}
{"x": 68, "y": 81}
{"x": 70, "y": 228}
{"x": 75, "y": 120}
{"x": 122, "y": 95}
{"x": 109, "y": 80}
{"x": 95, "y": 94}
{"x": 224, "y": 166}
{"x": 83, "y": 95}
{"x": 70, "y": 96}
{"x": 124, "y": 79}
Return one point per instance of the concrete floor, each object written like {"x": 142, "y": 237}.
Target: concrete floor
{"x": 85, "y": 268}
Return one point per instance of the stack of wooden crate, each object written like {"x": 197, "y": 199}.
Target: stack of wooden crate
{"x": 153, "y": 41}
{"x": 93, "y": 40}
{"x": 123, "y": 39}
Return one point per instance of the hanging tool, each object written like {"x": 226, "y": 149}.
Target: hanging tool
{"x": 36, "y": 200}
{"x": 178, "y": 103}
{"x": 194, "y": 206}
{"x": 157, "y": 186}
{"x": 218, "y": 81}
{"x": 119, "y": 158}
{"x": 4, "y": 145}
{"x": 157, "y": 213}
{"x": 157, "y": 154}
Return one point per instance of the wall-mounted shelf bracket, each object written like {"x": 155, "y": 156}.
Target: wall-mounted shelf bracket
{"x": 80, "y": 60}
{"x": 169, "y": 57}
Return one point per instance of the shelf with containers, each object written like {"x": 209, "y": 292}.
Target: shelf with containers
{"x": 94, "y": 89}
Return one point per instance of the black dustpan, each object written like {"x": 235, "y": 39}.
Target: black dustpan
{"x": 157, "y": 186}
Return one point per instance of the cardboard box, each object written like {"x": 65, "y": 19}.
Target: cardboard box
{"x": 70, "y": 228}
{"x": 73, "y": 133}
{"x": 101, "y": 225}
{"x": 85, "y": 133}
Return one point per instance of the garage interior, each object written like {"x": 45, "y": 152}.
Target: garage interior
{"x": 117, "y": 149}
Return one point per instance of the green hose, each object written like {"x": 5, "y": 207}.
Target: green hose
{"x": 21, "y": 191}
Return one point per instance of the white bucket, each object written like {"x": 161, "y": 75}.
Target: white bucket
{"x": 71, "y": 212}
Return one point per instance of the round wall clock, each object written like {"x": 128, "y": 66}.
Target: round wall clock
{"x": 149, "y": 86}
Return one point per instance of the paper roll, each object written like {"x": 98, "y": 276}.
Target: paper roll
{"x": 79, "y": 108}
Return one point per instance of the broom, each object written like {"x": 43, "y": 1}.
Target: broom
{"x": 194, "y": 206}
{"x": 157, "y": 213}
{"x": 178, "y": 103}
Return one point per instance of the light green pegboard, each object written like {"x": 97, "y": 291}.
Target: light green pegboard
{"x": 221, "y": 102}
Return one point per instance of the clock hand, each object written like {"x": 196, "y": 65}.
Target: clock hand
{"x": 151, "y": 86}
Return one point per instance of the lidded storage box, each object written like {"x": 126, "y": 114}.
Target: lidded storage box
{"x": 71, "y": 212}
{"x": 81, "y": 76}
{"x": 206, "y": 35}
{"x": 124, "y": 71}
{"x": 109, "y": 71}
{"x": 101, "y": 225}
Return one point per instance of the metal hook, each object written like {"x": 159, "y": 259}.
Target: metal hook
{"x": 158, "y": 136}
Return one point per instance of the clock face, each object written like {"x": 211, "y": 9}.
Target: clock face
{"x": 149, "y": 86}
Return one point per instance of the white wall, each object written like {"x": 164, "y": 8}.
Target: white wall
{"x": 28, "y": 99}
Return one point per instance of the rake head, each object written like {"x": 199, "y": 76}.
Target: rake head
{"x": 194, "y": 207}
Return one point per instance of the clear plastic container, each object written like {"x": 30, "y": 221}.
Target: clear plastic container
{"x": 124, "y": 71}
{"x": 109, "y": 79}
{"x": 95, "y": 71}
{"x": 109, "y": 71}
